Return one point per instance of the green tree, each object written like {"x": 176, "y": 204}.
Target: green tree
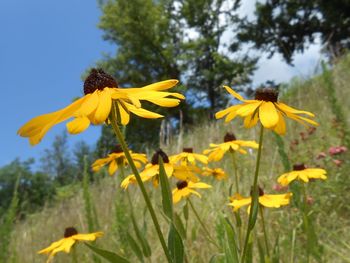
{"x": 57, "y": 161}
{"x": 34, "y": 189}
{"x": 289, "y": 26}
{"x": 153, "y": 42}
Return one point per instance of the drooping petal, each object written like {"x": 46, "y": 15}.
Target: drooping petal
{"x": 78, "y": 125}
{"x": 268, "y": 114}
{"x": 281, "y": 125}
{"x": 104, "y": 106}
{"x": 89, "y": 104}
{"x": 52, "y": 247}
{"x": 287, "y": 109}
{"x": 123, "y": 113}
{"x": 113, "y": 166}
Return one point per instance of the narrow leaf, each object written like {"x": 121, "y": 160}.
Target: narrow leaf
{"x": 146, "y": 249}
{"x": 110, "y": 256}
{"x": 135, "y": 247}
{"x": 175, "y": 245}
{"x": 167, "y": 198}
{"x": 179, "y": 225}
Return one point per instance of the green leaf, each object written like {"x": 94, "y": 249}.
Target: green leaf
{"x": 230, "y": 246}
{"x": 179, "y": 225}
{"x": 135, "y": 247}
{"x": 167, "y": 198}
{"x": 110, "y": 256}
{"x": 175, "y": 245}
{"x": 146, "y": 249}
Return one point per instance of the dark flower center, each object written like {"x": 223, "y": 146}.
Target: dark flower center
{"x": 98, "y": 79}
{"x": 70, "y": 231}
{"x": 266, "y": 94}
{"x": 261, "y": 191}
{"x": 229, "y": 137}
{"x": 187, "y": 150}
{"x": 117, "y": 149}
{"x": 299, "y": 167}
{"x": 181, "y": 184}
{"x": 155, "y": 157}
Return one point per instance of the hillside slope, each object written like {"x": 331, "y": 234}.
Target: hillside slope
{"x": 330, "y": 199}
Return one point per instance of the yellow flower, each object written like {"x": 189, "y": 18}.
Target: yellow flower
{"x": 117, "y": 158}
{"x": 185, "y": 188}
{"x": 217, "y": 151}
{"x": 217, "y": 173}
{"x": 65, "y": 244}
{"x": 101, "y": 90}
{"x": 302, "y": 173}
{"x": 151, "y": 171}
{"x": 187, "y": 156}
{"x": 237, "y": 201}
{"x": 266, "y": 108}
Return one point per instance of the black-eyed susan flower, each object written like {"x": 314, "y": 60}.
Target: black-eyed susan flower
{"x": 101, "y": 90}
{"x": 185, "y": 188}
{"x": 217, "y": 173}
{"x": 116, "y": 159}
{"x": 267, "y": 200}
{"x": 151, "y": 171}
{"x": 65, "y": 244}
{"x": 265, "y": 108}
{"x": 217, "y": 151}
{"x": 188, "y": 157}
{"x": 300, "y": 172}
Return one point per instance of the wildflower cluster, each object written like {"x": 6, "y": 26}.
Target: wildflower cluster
{"x": 105, "y": 102}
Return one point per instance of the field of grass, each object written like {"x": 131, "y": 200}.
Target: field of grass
{"x": 330, "y": 208}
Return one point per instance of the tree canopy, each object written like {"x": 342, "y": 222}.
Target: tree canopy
{"x": 289, "y": 26}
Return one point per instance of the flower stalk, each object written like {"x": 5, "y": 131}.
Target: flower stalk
{"x": 255, "y": 197}
{"x": 113, "y": 119}
{"x": 264, "y": 230}
{"x": 210, "y": 239}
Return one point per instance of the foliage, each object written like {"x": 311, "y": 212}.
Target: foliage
{"x": 34, "y": 188}
{"x": 289, "y": 26}
{"x": 158, "y": 40}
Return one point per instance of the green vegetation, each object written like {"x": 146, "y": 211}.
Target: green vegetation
{"x": 329, "y": 211}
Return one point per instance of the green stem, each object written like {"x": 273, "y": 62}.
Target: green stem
{"x": 305, "y": 218}
{"x": 210, "y": 239}
{"x": 235, "y": 170}
{"x": 255, "y": 201}
{"x": 140, "y": 183}
{"x": 264, "y": 230}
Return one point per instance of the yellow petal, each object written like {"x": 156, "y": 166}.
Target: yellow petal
{"x": 281, "y": 125}
{"x": 87, "y": 237}
{"x": 78, "y": 125}
{"x": 268, "y": 114}
{"x": 248, "y": 108}
{"x": 112, "y": 167}
{"x": 233, "y": 93}
{"x": 162, "y": 85}
{"x": 124, "y": 114}
{"x": 89, "y": 104}
{"x": 104, "y": 106}
{"x": 287, "y": 109}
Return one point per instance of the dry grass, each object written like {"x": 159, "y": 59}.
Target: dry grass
{"x": 331, "y": 207}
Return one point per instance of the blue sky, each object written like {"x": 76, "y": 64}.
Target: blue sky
{"x": 45, "y": 46}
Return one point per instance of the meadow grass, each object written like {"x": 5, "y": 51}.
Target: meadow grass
{"x": 330, "y": 210}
